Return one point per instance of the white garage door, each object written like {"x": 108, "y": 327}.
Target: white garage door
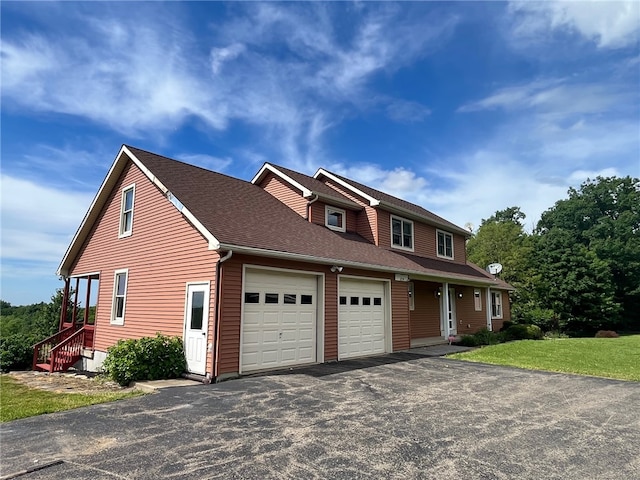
{"x": 361, "y": 327}
{"x": 279, "y": 321}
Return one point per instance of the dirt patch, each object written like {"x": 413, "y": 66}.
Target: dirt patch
{"x": 68, "y": 382}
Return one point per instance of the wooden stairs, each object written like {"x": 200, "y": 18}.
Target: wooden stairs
{"x": 60, "y": 351}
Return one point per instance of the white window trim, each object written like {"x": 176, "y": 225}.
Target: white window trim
{"x": 114, "y": 320}
{"x": 121, "y": 232}
{"x": 413, "y": 233}
{"x": 453, "y": 253}
{"x": 327, "y": 210}
{"x": 412, "y": 296}
{"x": 499, "y": 296}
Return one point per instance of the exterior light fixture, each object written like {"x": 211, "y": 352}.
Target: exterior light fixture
{"x": 437, "y": 292}
{"x": 459, "y": 294}
{"x": 336, "y": 268}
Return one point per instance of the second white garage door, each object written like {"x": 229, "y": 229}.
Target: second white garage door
{"x": 279, "y": 320}
{"x": 361, "y": 325}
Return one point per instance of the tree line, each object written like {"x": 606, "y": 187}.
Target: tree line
{"x": 578, "y": 271}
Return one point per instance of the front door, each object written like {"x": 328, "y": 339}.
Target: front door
{"x": 451, "y": 314}
{"x": 195, "y": 328}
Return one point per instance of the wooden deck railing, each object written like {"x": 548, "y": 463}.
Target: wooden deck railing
{"x": 67, "y": 352}
{"x": 41, "y": 350}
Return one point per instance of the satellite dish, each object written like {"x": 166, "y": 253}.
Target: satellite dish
{"x": 494, "y": 268}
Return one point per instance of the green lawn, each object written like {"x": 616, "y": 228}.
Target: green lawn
{"x": 20, "y": 401}
{"x": 601, "y": 357}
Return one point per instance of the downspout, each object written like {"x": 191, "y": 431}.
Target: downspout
{"x": 315, "y": 199}
{"x": 216, "y": 309}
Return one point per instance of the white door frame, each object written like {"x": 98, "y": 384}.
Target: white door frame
{"x": 199, "y": 367}
{"x": 448, "y": 304}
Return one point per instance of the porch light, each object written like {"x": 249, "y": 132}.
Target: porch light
{"x": 459, "y": 294}
{"x": 438, "y": 292}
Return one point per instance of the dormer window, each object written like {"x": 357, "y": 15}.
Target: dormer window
{"x": 444, "y": 244}
{"x": 401, "y": 233}
{"x": 335, "y": 218}
{"x": 126, "y": 211}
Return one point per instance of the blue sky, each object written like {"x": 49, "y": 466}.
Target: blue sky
{"x": 463, "y": 108}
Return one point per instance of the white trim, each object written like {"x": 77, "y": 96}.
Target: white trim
{"x": 488, "y": 303}
{"x": 267, "y": 166}
{"x": 415, "y": 274}
{"x": 113, "y": 319}
{"x": 453, "y": 254}
{"x": 477, "y": 295}
{"x": 121, "y": 232}
{"x": 341, "y": 211}
{"x": 372, "y": 201}
{"x": 84, "y": 275}
{"x": 413, "y": 233}
{"x": 320, "y": 309}
{"x": 412, "y": 296}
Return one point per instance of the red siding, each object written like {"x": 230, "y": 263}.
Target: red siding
{"x": 425, "y": 318}
{"x": 470, "y": 321}
{"x": 400, "y": 316}
{"x": 318, "y": 215}
{"x": 163, "y": 253}
{"x": 366, "y": 221}
{"x": 284, "y": 192}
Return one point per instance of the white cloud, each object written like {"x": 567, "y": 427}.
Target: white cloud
{"x": 407, "y": 112}
{"x": 221, "y": 55}
{"x": 206, "y": 161}
{"x": 38, "y": 222}
{"x": 610, "y": 24}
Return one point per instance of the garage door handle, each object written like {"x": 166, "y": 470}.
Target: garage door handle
{"x": 204, "y": 333}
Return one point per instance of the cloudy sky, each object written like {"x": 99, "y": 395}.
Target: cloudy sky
{"x": 463, "y": 108}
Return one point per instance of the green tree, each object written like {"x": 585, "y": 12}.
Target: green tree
{"x": 589, "y": 254}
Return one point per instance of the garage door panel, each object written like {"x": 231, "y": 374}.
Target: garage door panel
{"x": 361, "y": 328}
{"x": 286, "y": 329}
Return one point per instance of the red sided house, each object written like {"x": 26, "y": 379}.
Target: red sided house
{"x": 284, "y": 270}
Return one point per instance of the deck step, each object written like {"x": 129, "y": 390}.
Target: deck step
{"x": 44, "y": 367}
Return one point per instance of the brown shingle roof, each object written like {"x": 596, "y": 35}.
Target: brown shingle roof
{"x": 240, "y": 214}
{"x": 392, "y": 201}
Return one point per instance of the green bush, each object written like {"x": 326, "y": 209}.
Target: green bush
{"x": 468, "y": 341}
{"x": 147, "y": 358}
{"x": 524, "y": 332}
{"x": 16, "y": 352}
{"x": 506, "y": 324}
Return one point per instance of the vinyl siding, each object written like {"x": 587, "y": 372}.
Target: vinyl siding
{"x": 284, "y": 192}
{"x": 400, "y": 316}
{"x": 424, "y": 237}
{"x": 425, "y": 318}
{"x": 163, "y": 253}
{"x": 470, "y": 321}
{"x": 366, "y": 220}
{"x": 318, "y": 215}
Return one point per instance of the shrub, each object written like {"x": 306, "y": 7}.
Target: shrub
{"x": 554, "y": 334}
{"x": 16, "y": 352}
{"x": 468, "y": 341}
{"x": 524, "y": 332}
{"x": 506, "y": 324}
{"x": 147, "y": 358}
{"x": 606, "y": 334}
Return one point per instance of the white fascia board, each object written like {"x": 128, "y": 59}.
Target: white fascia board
{"x": 372, "y": 201}
{"x": 416, "y": 216}
{"x": 417, "y": 275}
{"x": 213, "y": 241}
{"x": 306, "y": 193}
{"x": 99, "y": 199}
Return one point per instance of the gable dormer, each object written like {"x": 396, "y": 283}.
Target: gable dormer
{"x": 400, "y": 225}
{"x": 310, "y": 198}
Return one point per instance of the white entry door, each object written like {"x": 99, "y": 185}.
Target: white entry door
{"x": 361, "y": 318}
{"x": 195, "y": 328}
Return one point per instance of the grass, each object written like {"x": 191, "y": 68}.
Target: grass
{"x": 19, "y": 401}
{"x": 617, "y": 358}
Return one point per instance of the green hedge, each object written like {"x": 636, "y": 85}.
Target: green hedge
{"x": 147, "y": 358}
{"x": 16, "y": 352}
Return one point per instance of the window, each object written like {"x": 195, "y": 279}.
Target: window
{"x": 412, "y": 302}
{"x": 335, "y": 218}
{"x": 250, "y": 297}
{"x": 377, "y": 301}
{"x": 197, "y": 310}
{"x": 496, "y": 304}
{"x": 366, "y": 301}
{"x": 306, "y": 299}
{"x": 401, "y": 233}
{"x": 355, "y": 301}
{"x": 445, "y": 244}
{"x": 477, "y": 300}
{"x": 289, "y": 298}
{"x": 119, "y": 297}
{"x": 126, "y": 211}
{"x": 343, "y": 300}
{"x": 270, "y": 298}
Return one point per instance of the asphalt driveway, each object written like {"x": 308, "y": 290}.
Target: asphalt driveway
{"x": 399, "y": 416}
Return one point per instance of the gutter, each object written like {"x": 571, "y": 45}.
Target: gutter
{"x": 216, "y": 310}
{"x": 315, "y": 199}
